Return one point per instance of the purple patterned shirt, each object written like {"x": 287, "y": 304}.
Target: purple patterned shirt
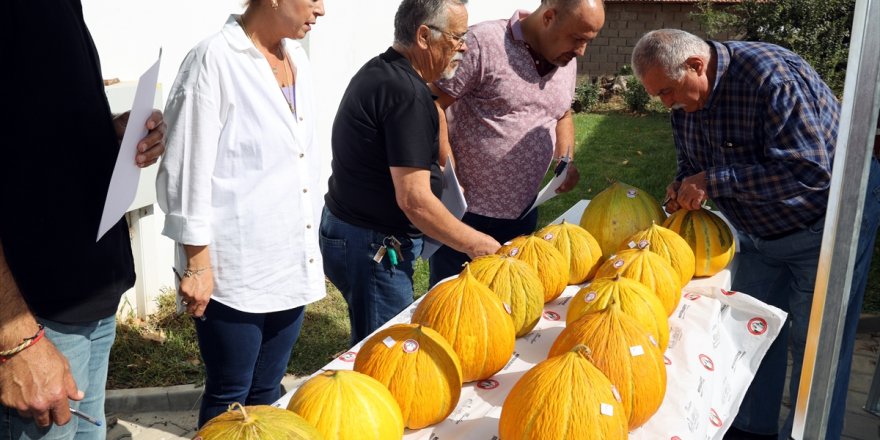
{"x": 502, "y": 127}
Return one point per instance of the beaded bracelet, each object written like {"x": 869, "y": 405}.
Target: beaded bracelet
{"x": 25, "y": 343}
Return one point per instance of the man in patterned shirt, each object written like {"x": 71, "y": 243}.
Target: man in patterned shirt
{"x": 755, "y": 129}
{"x": 512, "y": 98}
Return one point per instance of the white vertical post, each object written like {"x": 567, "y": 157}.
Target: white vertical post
{"x": 842, "y": 220}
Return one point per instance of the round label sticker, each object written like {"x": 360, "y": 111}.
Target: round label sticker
{"x": 618, "y": 264}
{"x": 513, "y": 252}
{"x": 631, "y": 193}
{"x": 643, "y": 244}
{"x": 757, "y": 326}
{"x": 549, "y": 236}
{"x": 488, "y": 384}
{"x": 590, "y": 297}
{"x": 348, "y": 356}
{"x": 707, "y": 362}
{"x": 714, "y": 419}
{"x": 551, "y": 315}
{"x": 667, "y": 361}
{"x": 410, "y": 346}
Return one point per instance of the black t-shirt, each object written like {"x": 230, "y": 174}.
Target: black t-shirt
{"x": 387, "y": 118}
{"x": 56, "y": 158}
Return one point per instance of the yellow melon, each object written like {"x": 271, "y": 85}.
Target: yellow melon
{"x": 708, "y": 236}
{"x": 623, "y": 350}
{"x": 517, "y": 285}
{"x": 618, "y": 212}
{"x": 257, "y": 422}
{"x": 563, "y": 398}
{"x": 634, "y": 298}
{"x": 669, "y": 245}
{"x": 577, "y": 246}
{"x": 474, "y": 321}
{"x": 347, "y": 405}
{"x": 648, "y": 268}
{"x": 419, "y": 368}
{"x": 544, "y": 258}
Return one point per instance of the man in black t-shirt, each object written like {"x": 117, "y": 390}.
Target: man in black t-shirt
{"x": 59, "y": 289}
{"x": 385, "y": 186}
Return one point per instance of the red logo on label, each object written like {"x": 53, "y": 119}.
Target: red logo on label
{"x": 675, "y": 437}
{"x": 728, "y": 292}
{"x": 714, "y": 419}
{"x": 667, "y": 361}
{"x": 348, "y": 356}
{"x": 488, "y": 384}
{"x": 692, "y": 296}
{"x": 551, "y": 315}
{"x": 757, "y": 326}
{"x": 707, "y": 362}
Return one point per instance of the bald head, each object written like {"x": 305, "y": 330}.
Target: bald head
{"x": 564, "y": 28}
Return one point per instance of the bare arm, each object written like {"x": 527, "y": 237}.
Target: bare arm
{"x": 443, "y": 102}
{"x": 37, "y": 381}
{"x": 565, "y": 147}
{"x": 412, "y": 187}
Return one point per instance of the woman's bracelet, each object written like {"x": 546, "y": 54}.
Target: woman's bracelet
{"x": 27, "y": 342}
{"x": 188, "y": 273}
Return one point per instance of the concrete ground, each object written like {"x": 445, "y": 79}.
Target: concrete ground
{"x": 172, "y": 413}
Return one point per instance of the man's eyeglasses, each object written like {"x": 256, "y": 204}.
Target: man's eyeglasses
{"x": 459, "y": 39}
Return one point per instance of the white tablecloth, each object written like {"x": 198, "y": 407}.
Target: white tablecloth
{"x": 717, "y": 340}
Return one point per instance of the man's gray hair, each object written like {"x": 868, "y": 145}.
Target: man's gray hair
{"x": 413, "y": 13}
{"x": 668, "y": 49}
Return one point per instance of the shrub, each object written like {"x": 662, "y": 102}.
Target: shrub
{"x": 636, "y": 97}
{"x": 817, "y": 30}
{"x": 586, "y": 96}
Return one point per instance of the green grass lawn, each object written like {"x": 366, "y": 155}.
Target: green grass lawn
{"x": 637, "y": 150}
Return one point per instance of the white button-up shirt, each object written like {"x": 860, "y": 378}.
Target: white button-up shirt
{"x": 241, "y": 173}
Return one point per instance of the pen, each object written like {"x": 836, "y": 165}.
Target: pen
{"x": 85, "y": 417}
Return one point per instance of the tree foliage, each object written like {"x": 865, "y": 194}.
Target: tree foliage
{"x": 817, "y": 30}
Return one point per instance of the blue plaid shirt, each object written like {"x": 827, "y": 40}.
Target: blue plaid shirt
{"x": 765, "y": 139}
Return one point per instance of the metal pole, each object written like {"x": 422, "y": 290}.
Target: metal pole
{"x": 842, "y": 220}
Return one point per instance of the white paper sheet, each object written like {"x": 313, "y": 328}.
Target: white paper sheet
{"x": 124, "y": 182}
{"x": 549, "y": 191}
{"x": 453, "y": 199}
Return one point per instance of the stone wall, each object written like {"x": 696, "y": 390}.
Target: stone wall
{"x": 625, "y": 23}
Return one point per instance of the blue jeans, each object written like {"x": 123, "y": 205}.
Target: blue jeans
{"x": 87, "y": 349}
{"x": 783, "y": 273}
{"x": 375, "y": 292}
{"x": 245, "y": 355}
{"x": 447, "y": 261}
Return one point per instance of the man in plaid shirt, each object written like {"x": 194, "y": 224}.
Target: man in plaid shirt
{"x": 755, "y": 129}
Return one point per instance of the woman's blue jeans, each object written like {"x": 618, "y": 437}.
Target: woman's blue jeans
{"x": 87, "y": 349}
{"x": 245, "y": 355}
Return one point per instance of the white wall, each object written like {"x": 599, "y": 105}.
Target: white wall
{"x": 128, "y": 34}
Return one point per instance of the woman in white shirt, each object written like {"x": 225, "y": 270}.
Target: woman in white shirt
{"x": 239, "y": 186}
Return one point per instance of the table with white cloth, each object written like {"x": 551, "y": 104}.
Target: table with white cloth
{"x": 717, "y": 340}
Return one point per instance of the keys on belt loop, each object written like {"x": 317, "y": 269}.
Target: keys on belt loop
{"x": 391, "y": 246}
